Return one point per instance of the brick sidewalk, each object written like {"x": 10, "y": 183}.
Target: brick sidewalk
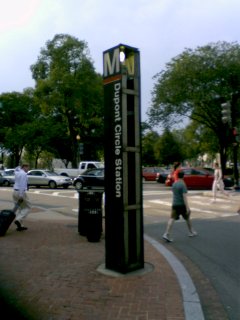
{"x": 50, "y": 272}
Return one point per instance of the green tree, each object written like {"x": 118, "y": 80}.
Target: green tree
{"x": 168, "y": 149}
{"x": 197, "y": 140}
{"x": 43, "y": 139}
{"x": 17, "y": 113}
{"x": 148, "y": 142}
{"x": 70, "y": 92}
{"x": 194, "y": 85}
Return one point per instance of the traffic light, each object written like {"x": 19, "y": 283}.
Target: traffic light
{"x": 235, "y": 135}
{"x": 226, "y": 112}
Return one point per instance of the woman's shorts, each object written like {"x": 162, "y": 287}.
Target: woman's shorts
{"x": 178, "y": 211}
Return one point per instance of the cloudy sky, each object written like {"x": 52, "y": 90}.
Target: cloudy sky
{"x": 160, "y": 29}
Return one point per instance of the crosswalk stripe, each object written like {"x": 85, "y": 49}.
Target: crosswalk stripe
{"x": 212, "y": 212}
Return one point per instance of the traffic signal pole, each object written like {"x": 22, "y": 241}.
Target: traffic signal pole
{"x": 229, "y": 116}
{"x": 234, "y": 101}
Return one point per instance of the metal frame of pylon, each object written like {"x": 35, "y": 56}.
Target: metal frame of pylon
{"x": 122, "y": 156}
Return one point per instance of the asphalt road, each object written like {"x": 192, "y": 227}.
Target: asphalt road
{"x": 215, "y": 251}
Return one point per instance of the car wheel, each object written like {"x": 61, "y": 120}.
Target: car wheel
{"x": 6, "y": 183}
{"x": 52, "y": 184}
{"x": 79, "y": 185}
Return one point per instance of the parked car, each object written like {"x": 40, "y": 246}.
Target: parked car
{"x": 9, "y": 172}
{"x": 162, "y": 176}
{"x": 5, "y": 180}
{"x": 90, "y": 178}
{"x": 196, "y": 178}
{"x": 9, "y": 175}
{"x": 150, "y": 173}
{"x": 228, "y": 177}
{"x": 48, "y": 178}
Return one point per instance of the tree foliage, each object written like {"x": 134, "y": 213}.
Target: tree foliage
{"x": 197, "y": 141}
{"x": 67, "y": 103}
{"x": 193, "y": 82}
{"x": 194, "y": 85}
{"x": 168, "y": 149}
{"x": 18, "y": 118}
{"x": 69, "y": 91}
{"x": 148, "y": 142}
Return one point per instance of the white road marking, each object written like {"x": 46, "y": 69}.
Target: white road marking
{"x": 215, "y": 213}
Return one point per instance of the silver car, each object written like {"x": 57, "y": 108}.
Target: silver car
{"x": 9, "y": 175}
{"x": 5, "y": 181}
{"x": 48, "y": 178}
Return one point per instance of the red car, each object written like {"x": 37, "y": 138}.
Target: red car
{"x": 194, "y": 178}
{"x": 150, "y": 173}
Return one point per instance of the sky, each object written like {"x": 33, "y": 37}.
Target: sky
{"x": 160, "y": 29}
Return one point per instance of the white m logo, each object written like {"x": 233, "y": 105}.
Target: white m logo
{"x": 111, "y": 66}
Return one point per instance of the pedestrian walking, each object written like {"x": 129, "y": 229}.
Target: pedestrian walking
{"x": 176, "y": 169}
{"x": 218, "y": 182}
{"x": 20, "y": 196}
{"x": 180, "y": 207}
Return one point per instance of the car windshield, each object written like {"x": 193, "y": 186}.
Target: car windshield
{"x": 9, "y": 172}
{"x": 94, "y": 172}
{"x": 42, "y": 173}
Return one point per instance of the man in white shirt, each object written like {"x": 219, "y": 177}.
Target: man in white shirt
{"x": 20, "y": 196}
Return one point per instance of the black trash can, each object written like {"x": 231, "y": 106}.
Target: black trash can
{"x": 90, "y": 214}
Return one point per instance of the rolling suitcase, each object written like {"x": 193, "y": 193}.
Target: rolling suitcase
{"x": 6, "y": 218}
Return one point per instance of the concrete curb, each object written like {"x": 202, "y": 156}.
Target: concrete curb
{"x": 191, "y": 301}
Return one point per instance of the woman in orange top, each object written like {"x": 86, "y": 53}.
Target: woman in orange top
{"x": 176, "y": 169}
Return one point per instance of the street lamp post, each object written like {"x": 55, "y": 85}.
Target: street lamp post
{"x": 78, "y": 138}
{"x": 1, "y": 161}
